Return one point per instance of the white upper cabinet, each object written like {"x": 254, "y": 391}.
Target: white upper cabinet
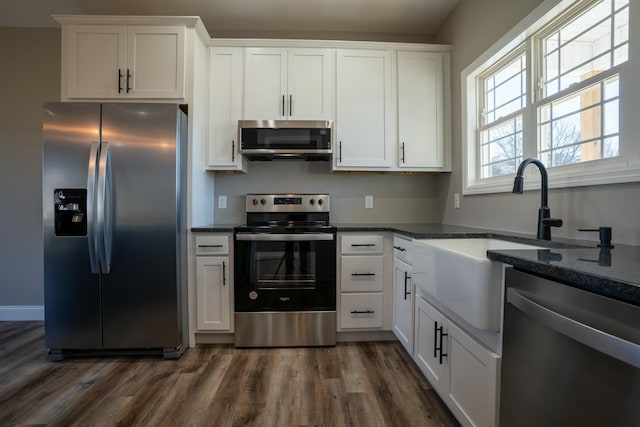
{"x": 364, "y": 129}
{"x": 119, "y": 61}
{"x": 288, "y": 84}
{"x": 421, "y": 110}
{"x": 225, "y": 108}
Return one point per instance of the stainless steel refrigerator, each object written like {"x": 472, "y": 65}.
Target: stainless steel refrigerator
{"x": 114, "y": 223}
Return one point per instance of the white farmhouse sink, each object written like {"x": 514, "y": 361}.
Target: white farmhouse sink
{"x": 458, "y": 274}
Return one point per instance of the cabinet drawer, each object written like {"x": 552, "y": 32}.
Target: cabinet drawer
{"x": 360, "y": 310}
{"x": 363, "y": 244}
{"x": 402, "y": 249}
{"x": 212, "y": 245}
{"x": 362, "y": 273}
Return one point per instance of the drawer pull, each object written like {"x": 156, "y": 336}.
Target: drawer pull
{"x": 362, "y": 312}
{"x": 210, "y": 246}
{"x": 355, "y": 245}
{"x": 363, "y": 274}
{"x": 400, "y": 248}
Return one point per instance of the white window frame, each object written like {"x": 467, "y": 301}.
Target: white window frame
{"x": 622, "y": 169}
{"x": 482, "y": 125}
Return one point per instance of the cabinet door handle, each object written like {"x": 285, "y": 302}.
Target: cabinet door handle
{"x": 362, "y": 244}
{"x": 128, "y": 81}
{"x": 120, "y": 80}
{"x": 282, "y": 105}
{"x": 400, "y": 248}
{"x": 224, "y": 274}
{"x": 363, "y": 312}
{"x": 233, "y": 151}
{"x": 290, "y": 105}
{"x": 340, "y": 152}
{"x": 209, "y": 246}
{"x": 406, "y": 277}
{"x": 363, "y": 274}
{"x": 435, "y": 339}
{"x": 440, "y": 346}
{"x": 402, "y": 158}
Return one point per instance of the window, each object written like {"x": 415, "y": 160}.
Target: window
{"x": 552, "y": 91}
{"x": 594, "y": 41}
{"x": 504, "y": 95}
{"x": 580, "y": 127}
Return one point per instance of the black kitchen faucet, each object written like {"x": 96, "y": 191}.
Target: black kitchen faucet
{"x": 544, "y": 221}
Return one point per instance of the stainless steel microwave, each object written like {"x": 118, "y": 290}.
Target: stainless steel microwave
{"x": 285, "y": 139}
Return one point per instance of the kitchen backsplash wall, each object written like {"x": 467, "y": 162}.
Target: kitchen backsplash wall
{"x": 396, "y": 198}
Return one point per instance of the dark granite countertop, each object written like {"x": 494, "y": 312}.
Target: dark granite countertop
{"x": 576, "y": 263}
{"x": 214, "y": 228}
{"x": 614, "y": 273}
{"x": 445, "y": 231}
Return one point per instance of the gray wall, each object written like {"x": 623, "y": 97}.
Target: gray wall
{"x": 472, "y": 28}
{"x": 396, "y": 198}
{"x": 30, "y": 75}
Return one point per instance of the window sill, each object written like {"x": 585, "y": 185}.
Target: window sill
{"x": 602, "y": 172}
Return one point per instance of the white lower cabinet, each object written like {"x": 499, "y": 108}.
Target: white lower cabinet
{"x": 361, "y": 310}
{"x": 213, "y": 284}
{"x": 364, "y": 291}
{"x": 462, "y": 371}
{"x": 403, "y": 293}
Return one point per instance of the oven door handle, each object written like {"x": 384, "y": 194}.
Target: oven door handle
{"x": 279, "y": 237}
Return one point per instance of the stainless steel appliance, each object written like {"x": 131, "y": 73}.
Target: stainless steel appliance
{"x": 285, "y": 139}
{"x": 114, "y": 216}
{"x": 285, "y": 272}
{"x": 570, "y": 357}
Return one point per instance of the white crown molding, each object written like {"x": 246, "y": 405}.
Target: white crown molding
{"x": 328, "y": 44}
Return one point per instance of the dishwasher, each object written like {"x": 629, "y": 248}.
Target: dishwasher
{"x": 570, "y": 357}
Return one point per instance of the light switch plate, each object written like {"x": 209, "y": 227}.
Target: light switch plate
{"x": 368, "y": 202}
{"x": 222, "y": 202}
{"x": 456, "y": 201}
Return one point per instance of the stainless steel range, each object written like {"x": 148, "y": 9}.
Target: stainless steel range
{"x": 285, "y": 272}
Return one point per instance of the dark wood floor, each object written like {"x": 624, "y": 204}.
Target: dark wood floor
{"x": 352, "y": 384}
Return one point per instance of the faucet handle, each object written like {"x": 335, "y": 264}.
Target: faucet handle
{"x": 553, "y": 222}
{"x": 605, "y": 236}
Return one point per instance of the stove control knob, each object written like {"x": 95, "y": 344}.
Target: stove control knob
{"x": 312, "y": 202}
{"x": 320, "y": 202}
{"x": 263, "y": 202}
{"x": 254, "y": 202}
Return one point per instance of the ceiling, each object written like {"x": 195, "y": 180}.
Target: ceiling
{"x": 238, "y": 18}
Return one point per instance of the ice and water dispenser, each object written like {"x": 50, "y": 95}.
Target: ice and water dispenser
{"x": 70, "y": 207}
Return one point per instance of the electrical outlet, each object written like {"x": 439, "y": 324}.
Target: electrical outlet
{"x": 368, "y": 202}
{"x": 456, "y": 201}
{"x": 222, "y": 202}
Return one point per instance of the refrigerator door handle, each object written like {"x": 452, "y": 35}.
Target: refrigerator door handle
{"x": 91, "y": 220}
{"x": 104, "y": 208}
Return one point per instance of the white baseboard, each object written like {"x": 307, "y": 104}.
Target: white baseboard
{"x": 21, "y": 312}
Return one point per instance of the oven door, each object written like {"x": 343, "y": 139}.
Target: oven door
{"x": 285, "y": 272}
